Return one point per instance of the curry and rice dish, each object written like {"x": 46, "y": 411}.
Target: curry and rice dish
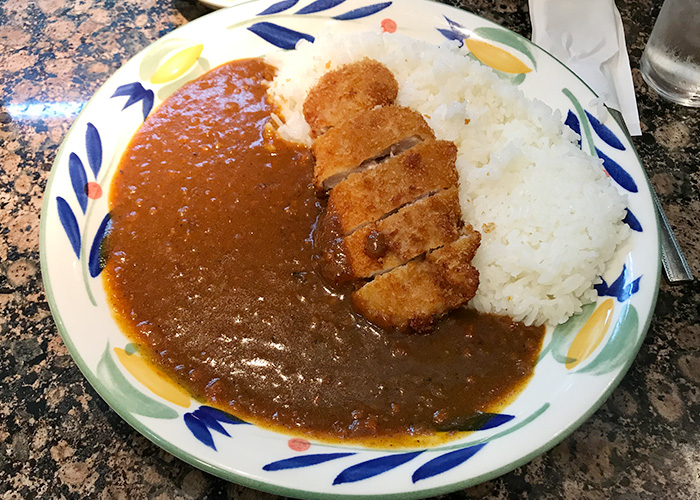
{"x": 311, "y": 264}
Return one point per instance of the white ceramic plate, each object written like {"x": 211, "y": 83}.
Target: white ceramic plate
{"x": 581, "y": 361}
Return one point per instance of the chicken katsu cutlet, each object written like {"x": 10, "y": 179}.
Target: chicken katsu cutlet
{"x": 346, "y": 92}
{"x": 369, "y": 195}
{"x": 369, "y": 136}
{"x": 413, "y": 296}
{"x": 427, "y": 224}
{"x": 393, "y": 225}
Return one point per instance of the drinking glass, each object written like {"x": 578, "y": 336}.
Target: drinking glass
{"x": 671, "y": 60}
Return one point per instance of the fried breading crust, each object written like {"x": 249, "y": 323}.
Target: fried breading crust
{"x": 365, "y": 137}
{"x": 366, "y": 196}
{"x": 393, "y": 214}
{"x": 413, "y": 296}
{"x": 417, "y": 228}
{"x": 346, "y": 92}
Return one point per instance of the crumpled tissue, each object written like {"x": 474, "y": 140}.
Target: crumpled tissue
{"x": 587, "y": 36}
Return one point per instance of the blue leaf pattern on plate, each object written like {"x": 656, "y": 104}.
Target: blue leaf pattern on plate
{"x": 496, "y": 420}
{"x": 452, "y": 23}
{"x": 632, "y": 221}
{"x": 209, "y": 414}
{"x": 147, "y": 103}
{"x": 78, "y": 180}
{"x": 319, "y": 5}
{"x": 199, "y": 430}
{"x": 374, "y": 467}
{"x": 478, "y": 421}
{"x": 605, "y": 133}
{"x": 284, "y": 38}
{"x": 448, "y": 459}
{"x": 618, "y": 174}
{"x": 95, "y": 263}
{"x": 445, "y": 462}
{"x": 210, "y": 422}
{"x": 304, "y": 461}
{"x": 69, "y": 223}
{"x": 452, "y": 35}
{"x": 278, "y": 7}
{"x": 136, "y": 93}
{"x": 204, "y": 418}
{"x": 93, "y": 144}
{"x": 573, "y": 123}
{"x": 133, "y": 90}
{"x": 362, "y": 11}
{"x": 619, "y": 288}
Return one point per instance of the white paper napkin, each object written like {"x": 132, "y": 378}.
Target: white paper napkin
{"x": 587, "y": 36}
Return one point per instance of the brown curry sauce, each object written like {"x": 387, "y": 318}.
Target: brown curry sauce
{"x": 211, "y": 268}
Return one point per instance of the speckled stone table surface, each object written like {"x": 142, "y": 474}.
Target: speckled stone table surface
{"x": 59, "y": 439}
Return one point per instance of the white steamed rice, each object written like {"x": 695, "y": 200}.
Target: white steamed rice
{"x": 550, "y": 219}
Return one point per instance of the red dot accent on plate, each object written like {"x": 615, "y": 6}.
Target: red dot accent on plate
{"x": 388, "y": 25}
{"x": 298, "y": 444}
{"x": 93, "y": 190}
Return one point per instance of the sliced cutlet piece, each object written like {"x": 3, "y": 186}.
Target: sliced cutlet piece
{"x": 371, "y": 194}
{"x": 360, "y": 141}
{"x": 348, "y": 91}
{"x": 413, "y": 296}
{"x": 427, "y": 224}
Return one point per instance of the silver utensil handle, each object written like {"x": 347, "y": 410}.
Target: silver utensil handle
{"x": 672, "y": 258}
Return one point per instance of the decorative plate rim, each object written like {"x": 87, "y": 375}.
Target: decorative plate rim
{"x": 242, "y": 478}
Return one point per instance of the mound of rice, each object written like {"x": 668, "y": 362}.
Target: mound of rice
{"x": 550, "y": 218}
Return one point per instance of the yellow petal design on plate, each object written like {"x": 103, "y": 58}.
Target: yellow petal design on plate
{"x": 177, "y": 65}
{"x": 496, "y": 57}
{"x": 591, "y": 334}
{"x": 153, "y": 378}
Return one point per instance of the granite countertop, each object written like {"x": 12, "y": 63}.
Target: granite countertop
{"x": 59, "y": 439}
